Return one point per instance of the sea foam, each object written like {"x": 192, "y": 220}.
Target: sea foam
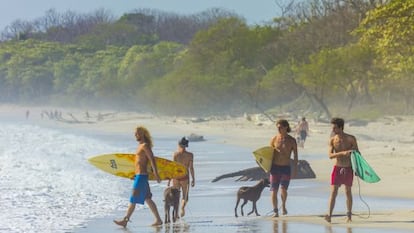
{"x": 46, "y": 183}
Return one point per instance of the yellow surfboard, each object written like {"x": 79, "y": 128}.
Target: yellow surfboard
{"x": 122, "y": 165}
{"x": 264, "y": 157}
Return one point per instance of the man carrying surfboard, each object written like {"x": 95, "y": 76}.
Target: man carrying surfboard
{"x": 141, "y": 191}
{"x": 186, "y": 158}
{"x": 280, "y": 173}
{"x": 341, "y": 146}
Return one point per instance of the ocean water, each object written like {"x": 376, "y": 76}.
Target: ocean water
{"x": 47, "y": 185}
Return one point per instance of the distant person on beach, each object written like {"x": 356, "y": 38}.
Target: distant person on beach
{"x": 141, "y": 190}
{"x": 27, "y": 114}
{"x": 186, "y": 158}
{"x": 302, "y": 130}
{"x": 280, "y": 173}
{"x": 341, "y": 146}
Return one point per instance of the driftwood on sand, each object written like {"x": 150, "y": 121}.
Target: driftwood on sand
{"x": 257, "y": 173}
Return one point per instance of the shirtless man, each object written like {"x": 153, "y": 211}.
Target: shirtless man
{"x": 280, "y": 173}
{"x": 186, "y": 158}
{"x": 341, "y": 146}
{"x": 302, "y": 130}
{"x": 141, "y": 191}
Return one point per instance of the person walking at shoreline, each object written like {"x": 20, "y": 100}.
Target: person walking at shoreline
{"x": 281, "y": 173}
{"x": 141, "y": 191}
{"x": 341, "y": 146}
{"x": 186, "y": 158}
{"x": 302, "y": 130}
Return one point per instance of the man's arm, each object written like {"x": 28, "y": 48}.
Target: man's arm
{"x": 354, "y": 143}
{"x": 150, "y": 156}
{"x": 191, "y": 167}
{"x": 295, "y": 158}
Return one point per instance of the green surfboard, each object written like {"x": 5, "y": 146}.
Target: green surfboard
{"x": 362, "y": 169}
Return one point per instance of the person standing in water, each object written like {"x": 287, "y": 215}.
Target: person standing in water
{"x": 141, "y": 191}
{"x": 280, "y": 173}
{"x": 341, "y": 146}
{"x": 186, "y": 158}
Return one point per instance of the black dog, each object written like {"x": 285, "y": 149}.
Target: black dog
{"x": 171, "y": 199}
{"x": 250, "y": 194}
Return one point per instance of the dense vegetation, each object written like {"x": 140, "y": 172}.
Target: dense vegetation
{"x": 318, "y": 57}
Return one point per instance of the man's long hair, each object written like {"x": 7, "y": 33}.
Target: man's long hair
{"x": 284, "y": 123}
{"x": 145, "y": 134}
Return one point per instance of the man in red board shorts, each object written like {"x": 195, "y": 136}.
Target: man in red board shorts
{"x": 341, "y": 146}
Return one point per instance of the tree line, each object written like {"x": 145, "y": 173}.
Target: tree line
{"x": 319, "y": 57}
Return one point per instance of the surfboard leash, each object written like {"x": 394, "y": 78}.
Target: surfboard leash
{"x": 363, "y": 201}
{"x": 273, "y": 211}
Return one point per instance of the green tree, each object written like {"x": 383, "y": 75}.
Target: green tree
{"x": 29, "y": 69}
{"x": 98, "y": 75}
{"x": 389, "y": 31}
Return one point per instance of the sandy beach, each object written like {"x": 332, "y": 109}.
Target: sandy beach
{"x": 387, "y": 144}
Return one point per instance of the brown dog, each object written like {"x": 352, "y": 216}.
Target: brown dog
{"x": 250, "y": 194}
{"x": 171, "y": 199}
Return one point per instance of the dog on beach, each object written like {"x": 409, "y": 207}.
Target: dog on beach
{"x": 252, "y": 194}
{"x": 171, "y": 199}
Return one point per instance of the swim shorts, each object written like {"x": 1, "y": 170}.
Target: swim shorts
{"x": 279, "y": 175}
{"x": 303, "y": 135}
{"x": 140, "y": 185}
{"x": 342, "y": 175}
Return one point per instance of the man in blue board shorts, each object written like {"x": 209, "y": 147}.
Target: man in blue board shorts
{"x": 141, "y": 190}
{"x": 140, "y": 183}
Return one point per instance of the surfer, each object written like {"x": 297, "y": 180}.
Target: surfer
{"x": 186, "y": 158}
{"x": 341, "y": 146}
{"x": 141, "y": 191}
{"x": 280, "y": 173}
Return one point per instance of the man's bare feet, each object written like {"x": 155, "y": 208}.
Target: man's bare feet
{"x": 328, "y": 218}
{"x": 284, "y": 211}
{"x": 157, "y": 223}
{"x": 349, "y": 217}
{"x": 275, "y": 213}
{"x": 182, "y": 212}
{"x": 122, "y": 222}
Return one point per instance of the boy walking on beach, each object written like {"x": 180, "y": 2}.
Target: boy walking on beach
{"x": 341, "y": 146}
{"x": 280, "y": 173}
{"x": 186, "y": 158}
{"x": 141, "y": 191}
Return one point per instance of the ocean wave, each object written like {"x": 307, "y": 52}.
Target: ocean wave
{"x": 46, "y": 183}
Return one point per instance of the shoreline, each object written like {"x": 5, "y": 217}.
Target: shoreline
{"x": 385, "y": 143}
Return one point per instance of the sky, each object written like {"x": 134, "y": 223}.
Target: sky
{"x": 254, "y": 11}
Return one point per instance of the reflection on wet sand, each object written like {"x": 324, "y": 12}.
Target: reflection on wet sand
{"x": 280, "y": 226}
{"x": 329, "y": 229}
{"x": 180, "y": 227}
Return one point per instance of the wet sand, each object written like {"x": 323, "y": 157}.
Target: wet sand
{"x": 387, "y": 144}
